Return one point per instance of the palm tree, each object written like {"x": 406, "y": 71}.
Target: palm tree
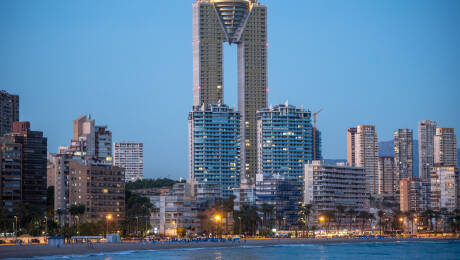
{"x": 351, "y": 213}
{"x": 267, "y": 211}
{"x": 382, "y": 223}
{"x": 340, "y": 210}
{"x": 427, "y": 216}
{"x": 304, "y": 216}
{"x": 77, "y": 211}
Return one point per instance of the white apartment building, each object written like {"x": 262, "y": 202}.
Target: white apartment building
{"x": 130, "y": 156}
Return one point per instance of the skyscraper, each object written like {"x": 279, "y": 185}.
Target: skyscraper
{"x": 29, "y": 149}
{"x": 285, "y": 141}
{"x": 244, "y": 23}
{"x": 414, "y": 195}
{"x": 445, "y": 147}
{"x": 214, "y": 151}
{"x": 366, "y": 152}
{"x": 351, "y": 151}
{"x": 403, "y": 151}
{"x": 130, "y": 156}
{"x": 387, "y": 181}
{"x": 426, "y": 133}
{"x": 91, "y": 140}
{"x": 9, "y": 111}
{"x": 444, "y": 189}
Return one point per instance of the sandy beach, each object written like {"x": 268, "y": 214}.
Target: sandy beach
{"x": 83, "y": 249}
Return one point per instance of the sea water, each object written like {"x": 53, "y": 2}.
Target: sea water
{"x": 398, "y": 250}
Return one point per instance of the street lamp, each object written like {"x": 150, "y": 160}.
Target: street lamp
{"x": 107, "y": 218}
{"x": 16, "y": 227}
{"x": 217, "y": 218}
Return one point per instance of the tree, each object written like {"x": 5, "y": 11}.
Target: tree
{"x": 340, "y": 209}
{"x": 351, "y": 213}
{"x": 305, "y": 212}
{"x": 137, "y": 207}
{"x": 267, "y": 211}
{"x": 382, "y": 221}
{"x": 77, "y": 211}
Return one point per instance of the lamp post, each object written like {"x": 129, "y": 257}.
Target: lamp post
{"x": 46, "y": 225}
{"x": 240, "y": 224}
{"x": 107, "y": 218}
{"x": 217, "y": 218}
{"x": 401, "y": 219}
{"x": 16, "y": 227}
{"x": 137, "y": 226}
{"x": 322, "y": 219}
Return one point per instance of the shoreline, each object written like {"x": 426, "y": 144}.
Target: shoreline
{"x": 30, "y": 251}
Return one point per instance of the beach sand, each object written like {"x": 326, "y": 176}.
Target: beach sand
{"x": 83, "y": 249}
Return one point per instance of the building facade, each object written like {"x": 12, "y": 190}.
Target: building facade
{"x": 284, "y": 194}
{"x": 33, "y": 164}
{"x": 9, "y": 111}
{"x": 444, "y": 189}
{"x": 284, "y": 140}
{"x": 414, "y": 195}
{"x": 244, "y": 23}
{"x": 10, "y": 173}
{"x": 214, "y": 150}
{"x": 445, "y": 147}
{"x": 175, "y": 212}
{"x": 403, "y": 154}
{"x": 426, "y": 133}
{"x": 90, "y": 140}
{"x": 351, "y": 149}
{"x": 387, "y": 179}
{"x": 366, "y": 152}
{"x": 100, "y": 187}
{"x": 130, "y": 156}
{"x": 327, "y": 186}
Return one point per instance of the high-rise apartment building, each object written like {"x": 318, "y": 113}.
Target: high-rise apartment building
{"x": 351, "y": 150}
{"x": 9, "y": 111}
{"x": 445, "y": 147}
{"x": 327, "y": 186}
{"x": 387, "y": 180}
{"x": 366, "y": 153}
{"x": 414, "y": 195}
{"x": 403, "y": 154}
{"x": 244, "y": 23}
{"x": 99, "y": 187}
{"x": 24, "y": 156}
{"x": 214, "y": 150}
{"x": 284, "y": 140}
{"x": 444, "y": 189}
{"x": 426, "y": 133}
{"x": 91, "y": 140}
{"x": 130, "y": 156}
{"x": 10, "y": 173}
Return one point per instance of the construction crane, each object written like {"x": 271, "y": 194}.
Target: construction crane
{"x": 315, "y": 155}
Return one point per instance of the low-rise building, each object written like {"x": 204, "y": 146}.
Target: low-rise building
{"x": 327, "y": 186}
{"x": 175, "y": 213}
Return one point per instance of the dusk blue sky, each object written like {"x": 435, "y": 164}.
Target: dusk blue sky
{"x": 390, "y": 63}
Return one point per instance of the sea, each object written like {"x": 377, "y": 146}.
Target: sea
{"x": 437, "y": 250}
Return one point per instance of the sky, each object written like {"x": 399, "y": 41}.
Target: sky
{"x": 389, "y": 63}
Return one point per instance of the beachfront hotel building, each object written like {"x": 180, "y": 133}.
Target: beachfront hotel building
{"x": 365, "y": 149}
{"x": 214, "y": 151}
{"x": 403, "y": 154}
{"x": 130, "y": 156}
{"x": 414, "y": 195}
{"x": 387, "y": 180}
{"x": 100, "y": 187}
{"x": 9, "y": 111}
{"x": 91, "y": 140}
{"x": 445, "y": 147}
{"x": 243, "y": 23}
{"x": 444, "y": 187}
{"x": 426, "y": 133}
{"x": 327, "y": 186}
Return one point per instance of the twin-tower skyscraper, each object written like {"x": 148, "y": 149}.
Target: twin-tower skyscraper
{"x": 244, "y": 23}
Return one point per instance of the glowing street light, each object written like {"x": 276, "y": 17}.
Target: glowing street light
{"x": 107, "y": 218}
{"x": 217, "y": 218}
{"x": 401, "y": 220}
{"x": 322, "y": 219}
